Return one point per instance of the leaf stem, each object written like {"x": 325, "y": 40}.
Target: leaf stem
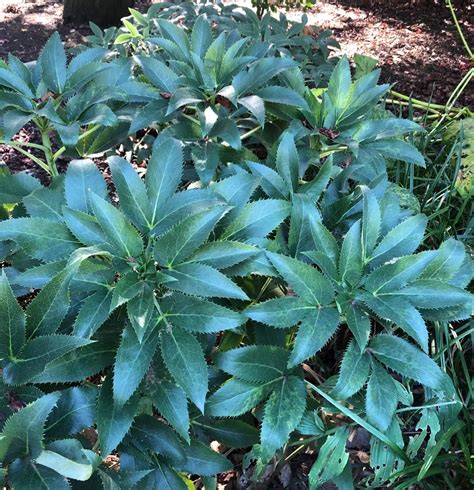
{"x": 458, "y": 27}
{"x": 48, "y": 153}
{"x": 35, "y": 159}
{"x": 249, "y": 133}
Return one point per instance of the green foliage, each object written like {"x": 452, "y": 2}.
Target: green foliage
{"x": 264, "y": 246}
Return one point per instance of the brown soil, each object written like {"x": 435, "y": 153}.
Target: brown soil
{"x": 418, "y": 47}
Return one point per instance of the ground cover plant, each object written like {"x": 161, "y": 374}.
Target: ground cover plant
{"x": 264, "y": 284}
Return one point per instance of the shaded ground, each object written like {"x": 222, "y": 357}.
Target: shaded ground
{"x": 417, "y": 46}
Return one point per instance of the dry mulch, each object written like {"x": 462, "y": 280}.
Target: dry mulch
{"x": 417, "y": 46}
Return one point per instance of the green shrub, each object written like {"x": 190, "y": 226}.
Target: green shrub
{"x": 262, "y": 285}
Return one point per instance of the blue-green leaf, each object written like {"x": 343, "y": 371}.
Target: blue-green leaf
{"x": 53, "y": 64}
{"x": 119, "y": 232}
{"x": 12, "y": 319}
{"x": 282, "y": 414}
{"x": 314, "y": 332}
{"x": 185, "y": 361}
{"x": 381, "y": 400}
{"x": 131, "y": 363}
{"x": 83, "y": 176}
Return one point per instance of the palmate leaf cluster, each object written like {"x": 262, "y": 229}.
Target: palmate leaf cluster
{"x": 144, "y": 317}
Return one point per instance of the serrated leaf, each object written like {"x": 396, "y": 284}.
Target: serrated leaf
{"x": 280, "y": 312}
{"x": 170, "y": 400}
{"x": 164, "y": 172}
{"x": 311, "y": 424}
{"x": 198, "y": 315}
{"x": 397, "y": 150}
{"x": 427, "y": 293}
{"x": 397, "y": 274}
{"x": 287, "y": 161}
{"x": 45, "y": 203}
{"x": 83, "y": 176}
{"x": 201, "y": 37}
{"x": 37, "y": 277}
{"x": 384, "y": 460}
{"x": 78, "y": 364}
{"x": 64, "y": 466}
{"x": 260, "y": 73}
{"x": 164, "y": 477}
{"x": 24, "y": 474}
{"x": 84, "y": 227}
{"x": 184, "y": 96}
{"x": 22, "y": 434}
{"x": 282, "y": 95}
{"x": 235, "y": 398}
{"x": 315, "y": 187}
{"x": 324, "y": 241}
{"x": 46, "y": 312}
{"x": 40, "y": 238}
{"x": 354, "y": 372}
{"x": 12, "y": 121}
{"x": 127, "y": 287}
{"x": 202, "y": 460}
{"x": 175, "y": 34}
{"x": 222, "y": 254}
{"x": 119, "y": 232}
{"x": 232, "y": 433}
{"x": 36, "y": 354}
{"x": 327, "y": 266}
{"x": 159, "y": 74}
{"x": 350, "y": 260}
{"x": 406, "y": 359}
{"x": 149, "y": 433}
{"x": 142, "y": 313}
{"x": 271, "y": 183}
{"x": 202, "y": 280}
{"x": 449, "y": 259}
{"x": 371, "y": 223}
{"x": 53, "y": 64}
{"x": 332, "y": 459}
{"x": 340, "y": 83}
{"x": 303, "y": 211}
{"x": 257, "y": 219}
{"x": 228, "y": 131}
{"x": 11, "y": 80}
{"x": 381, "y": 399}
{"x": 185, "y": 361}
{"x": 401, "y": 240}
{"x": 187, "y": 236}
{"x": 74, "y": 412}
{"x": 94, "y": 312}
{"x": 255, "y": 105}
{"x": 236, "y": 191}
{"x": 359, "y": 324}
{"x": 254, "y": 363}
{"x": 282, "y": 414}
{"x": 131, "y": 192}
{"x": 131, "y": 363}
{"x": 14, "y": 187}
{"x": 113, "y": 422}
{"x": 12, "y": 319}
{"x": 313, "y": 333}
{"x": 400, "y": 312}
{"x": 305, "y": 280}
